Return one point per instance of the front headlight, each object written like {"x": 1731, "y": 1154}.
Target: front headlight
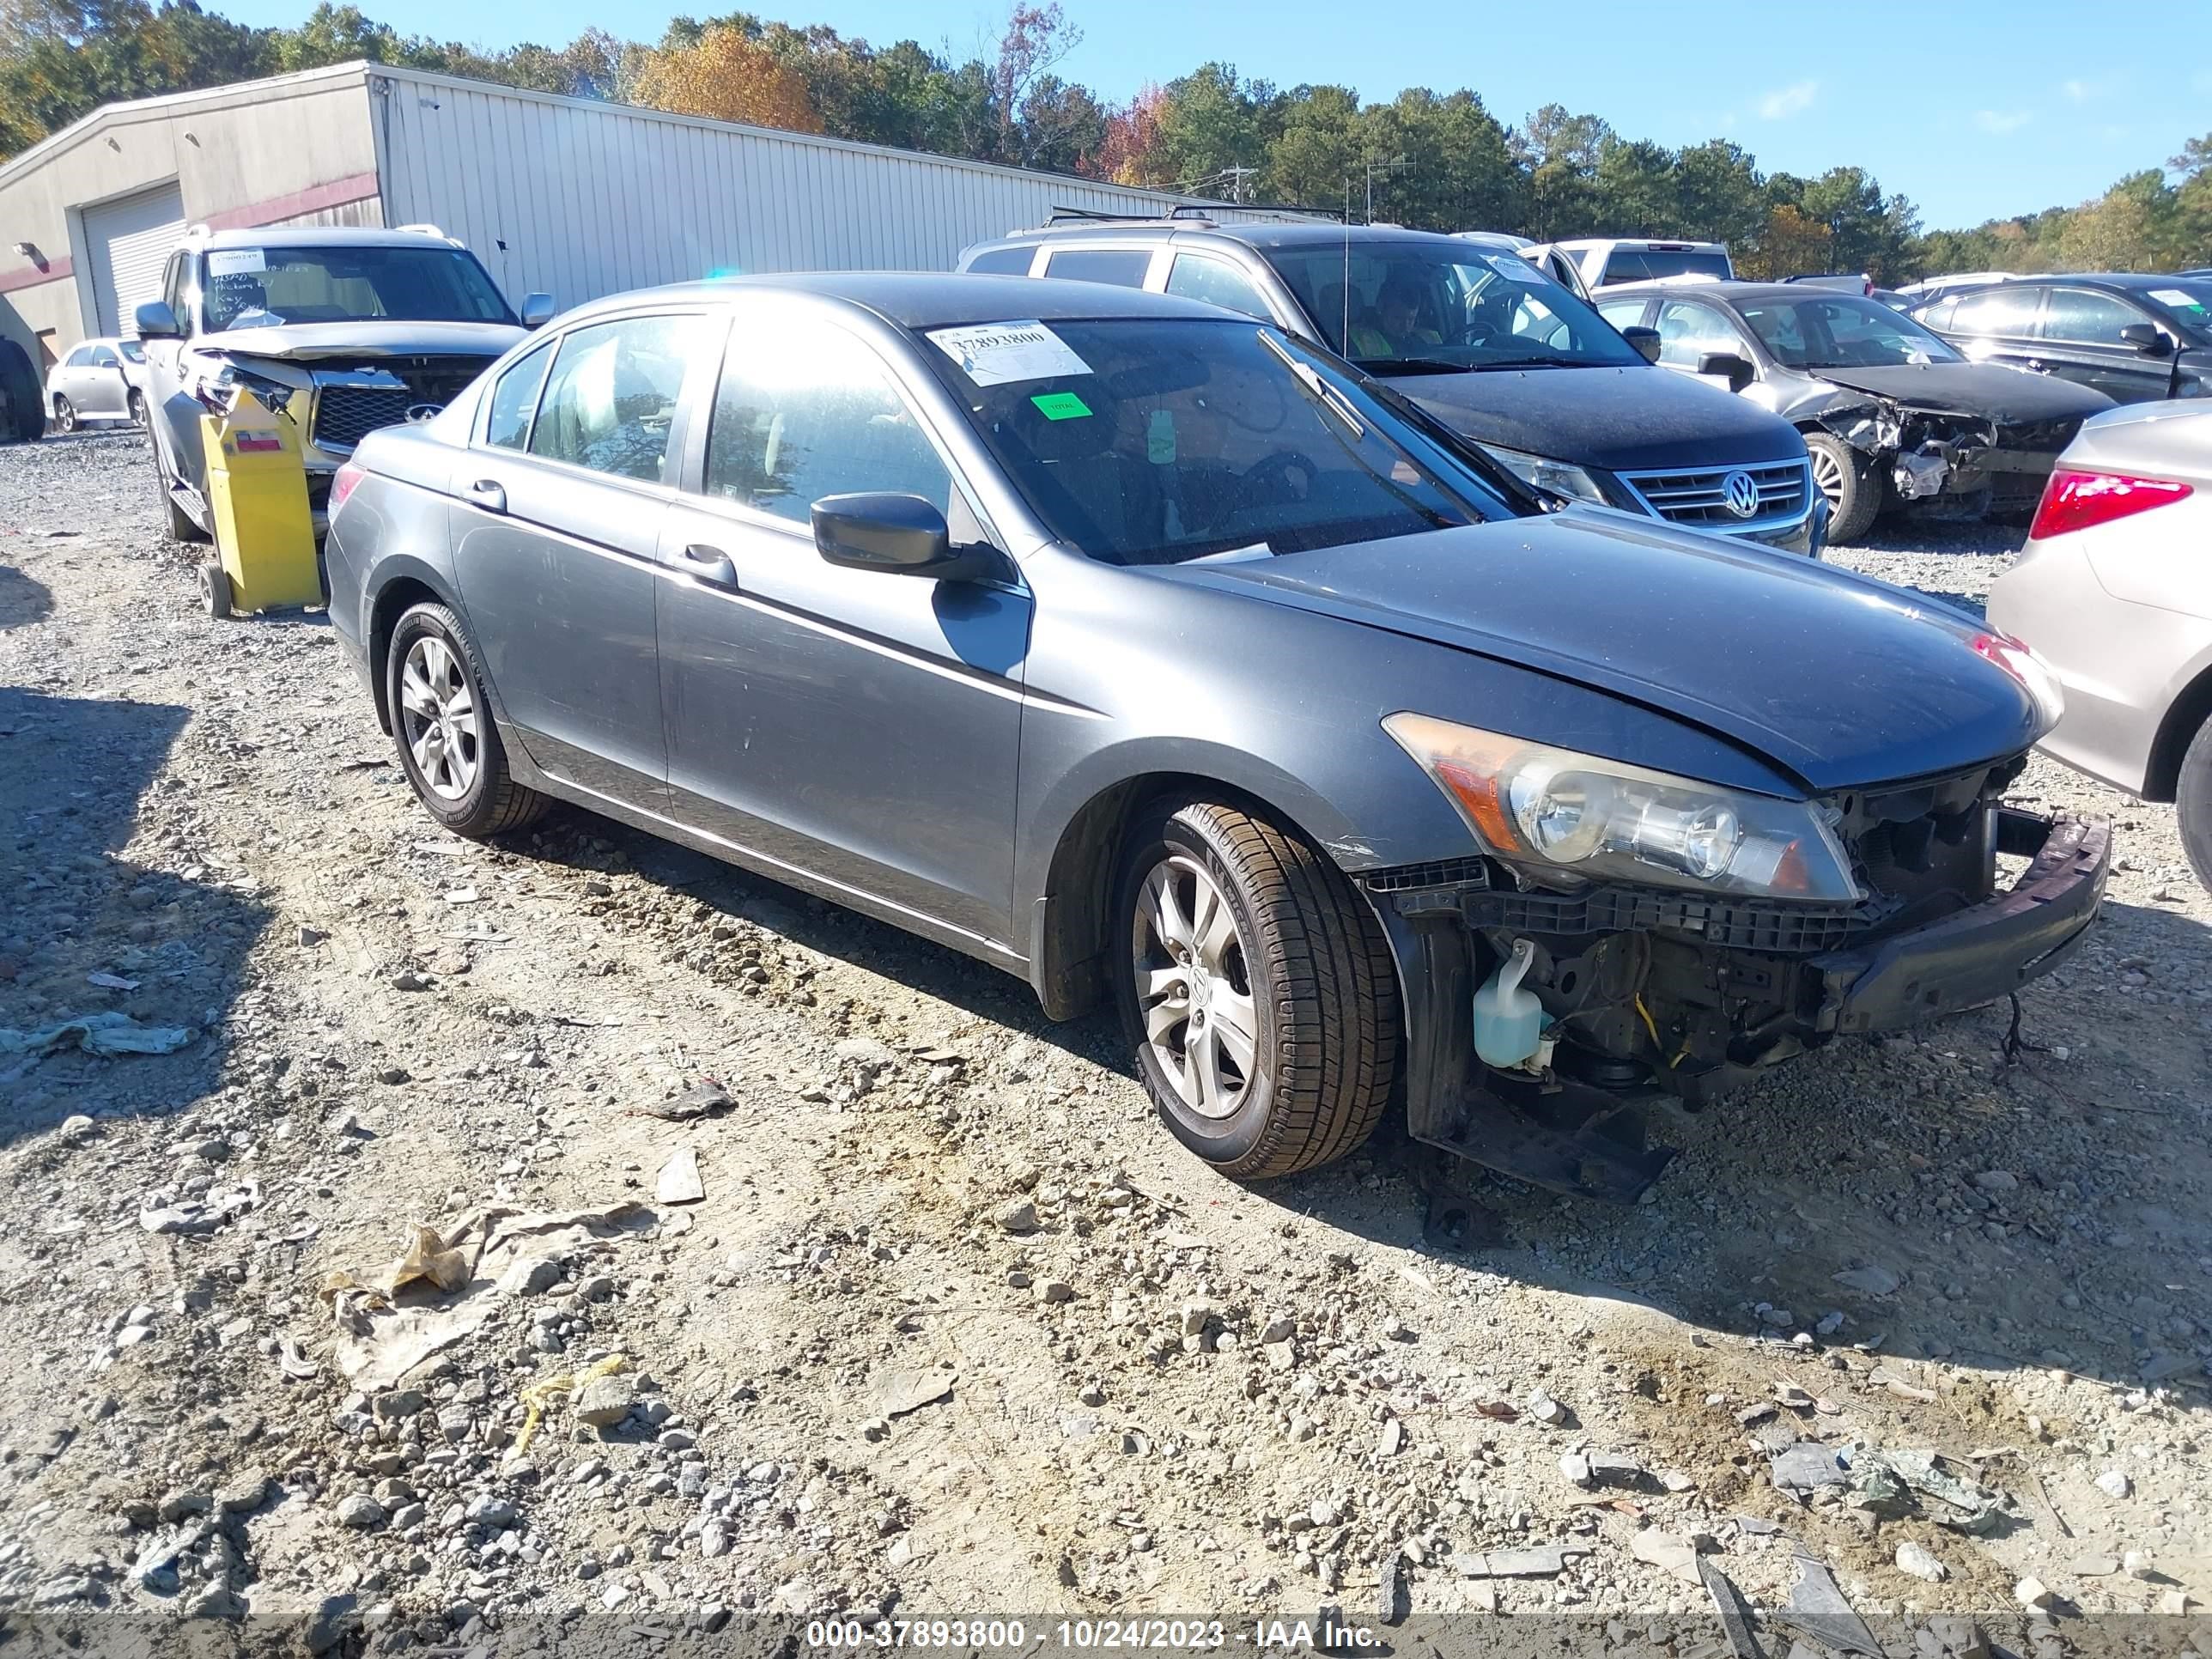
{"x": 1557, "y": 476}
{"x": 1552, "y": 810}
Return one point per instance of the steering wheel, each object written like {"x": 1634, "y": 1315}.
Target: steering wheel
{"x": 1267, "y": 478}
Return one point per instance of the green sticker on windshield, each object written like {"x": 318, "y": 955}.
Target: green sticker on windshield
{"x": 1060, "y": 405}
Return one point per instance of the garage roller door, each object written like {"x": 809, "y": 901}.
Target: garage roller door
{"x": 130, "y": 241}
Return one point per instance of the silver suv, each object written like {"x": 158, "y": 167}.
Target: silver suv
{"x": 348, "y": 330}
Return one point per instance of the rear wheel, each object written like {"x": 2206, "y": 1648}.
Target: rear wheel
{"x": 1256, "y": 988}
{"x": 64, "y": 414}
{"x": 448, "y": 745}
{"x": 1844, "y": 476}
{"x": 137, "y": 407}
{"x": 2193, "y": 803}
{"x": 22, "y": 399}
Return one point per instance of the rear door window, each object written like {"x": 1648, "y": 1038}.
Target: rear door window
{"x": 807, "y": 412}
{"x": 514, "y": 400}
{"x": 613, "y": 394}
{"x": 1003, "y": 262}
{"x": 2008, "y": 310}
{"x": 78, "y": 358}
{"x": 2082, "y": 316}
{"x": 1122, "y": 266}
{"x": 1218, "y": 282}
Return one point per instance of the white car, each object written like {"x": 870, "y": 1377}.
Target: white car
{"x": 1604, "y": 260}
{"x": 102, "y": 379}
{"x": 2112, "y": 593}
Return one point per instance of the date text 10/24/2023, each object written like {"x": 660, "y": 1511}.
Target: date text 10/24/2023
{"x": 1323, "y": 1634}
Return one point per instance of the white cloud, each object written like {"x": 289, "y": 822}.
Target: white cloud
{"x": 1786, "y": 101}
{"x": 2083, "y": 92}
{"x": 2002, "y": 121}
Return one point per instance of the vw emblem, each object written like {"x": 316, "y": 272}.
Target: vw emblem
{"x": 418, "y": 413}
{"x": 1739, "y": 490}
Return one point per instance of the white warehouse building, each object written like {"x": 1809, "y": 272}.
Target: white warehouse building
{"x": 566, "y": 195}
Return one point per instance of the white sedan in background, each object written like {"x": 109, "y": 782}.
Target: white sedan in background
{"x": 101, "y": 379}
{"x": 2113, "y": 591}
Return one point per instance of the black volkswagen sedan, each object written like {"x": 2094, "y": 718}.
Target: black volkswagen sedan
{"x": 1161, "y": 658}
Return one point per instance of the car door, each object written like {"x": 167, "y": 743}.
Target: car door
{"x": 857, "y": 726}
{"x": 1690, "y": 330}
{"x": 1997, "y": 325}
{"x": 557, "y": 519}
{"x": 103, "y": 381}
{"x": 2080, "y": 332}
{"x": 66, "y": 378}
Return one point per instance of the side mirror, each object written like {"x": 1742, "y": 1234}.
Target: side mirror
{"x": 537, "y": 310}
{"x": 157, "y": 321}
{"x": 2148, "y": 339}
{"x": 1645, "y": 340}
{"x": 903, "y": 535}
{"x": 1738, "y": 370}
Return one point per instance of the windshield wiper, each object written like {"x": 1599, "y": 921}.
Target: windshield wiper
{"x": 1408, "y": 366}
{"x": 1533, "y": 362}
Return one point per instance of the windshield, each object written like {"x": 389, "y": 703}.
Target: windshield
{"x": 131, "y": 350}
{"x": 1144, "y": 441}
{"x": 2188, "y": 301}
{"x": 1842, "y": 331}
{"x": 264, "y": 287}
{"x": 1412, "y": 306}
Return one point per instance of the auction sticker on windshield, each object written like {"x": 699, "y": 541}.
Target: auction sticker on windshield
{"x": 235, "y": 261}
{"x": 995, "y": 354}
{"x": 2175, "y": 296}
{"x": 1513, "y": 270}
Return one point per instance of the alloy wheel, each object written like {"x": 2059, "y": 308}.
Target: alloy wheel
{"x": 65, "y": 415}
{"x": 438, "y": 718}
{"x": 1828, "y": 478}
{"x": 1195, "y": 988}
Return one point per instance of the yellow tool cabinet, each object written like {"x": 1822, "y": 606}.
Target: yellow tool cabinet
{"x": 264, "y": 535}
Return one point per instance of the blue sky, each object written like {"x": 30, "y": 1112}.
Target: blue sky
{"x": 1971, "y": 110}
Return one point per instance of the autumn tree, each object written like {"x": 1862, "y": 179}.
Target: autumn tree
{"x": 727, "y": 75}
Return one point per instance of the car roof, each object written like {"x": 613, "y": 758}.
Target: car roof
{"x": 924, "y": 300}
{"x": 1734, "y": 293}
{"x": 324, "y": 236}
{"x": 1307, "y": 233}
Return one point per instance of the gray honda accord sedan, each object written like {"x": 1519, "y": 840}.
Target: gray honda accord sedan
{"x": 1145, "y": 652}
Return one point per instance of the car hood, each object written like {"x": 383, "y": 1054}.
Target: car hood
{"x": 1617, "y": 419}
{"x": 2013, "y": 395}
{"x": 361, "y": 341}
{"x": 1838, "y": 680}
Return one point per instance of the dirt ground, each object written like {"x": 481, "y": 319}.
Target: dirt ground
{"x": 956, "y": 1328}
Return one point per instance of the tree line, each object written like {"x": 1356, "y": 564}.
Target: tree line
{"x": 1435, "y": 160}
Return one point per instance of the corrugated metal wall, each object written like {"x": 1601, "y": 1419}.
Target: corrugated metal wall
{"x": 580, "y": 199}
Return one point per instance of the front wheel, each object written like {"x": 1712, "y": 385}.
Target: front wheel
{"x": 448, "y": 746}
{"x": 1841, "y": 475}
{"x": 137, "y": 406}
{"x": 1256, "y": 989}
{"x": 182, "y": 528}
{"x": 2193, "y": 803}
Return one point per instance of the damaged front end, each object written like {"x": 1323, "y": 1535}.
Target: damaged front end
{"x": 1949, "y": 464}
{"x": 1650, "y": 992}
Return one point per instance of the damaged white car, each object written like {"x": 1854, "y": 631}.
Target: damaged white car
{"x": 346, "y": 330}
{"x": 1893, "y": 417}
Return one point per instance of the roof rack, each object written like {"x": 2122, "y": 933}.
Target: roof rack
{"x": 1187, "y": 210}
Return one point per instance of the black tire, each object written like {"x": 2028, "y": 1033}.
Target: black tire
{"x": 492, "y": 802}
{"x": 2192, "y": 800}
{"x": 1847, "y": 480}
{"x": 214, "y": 589}
{"x": 64, "y": 414}
{"x": 181, "y": 527}
{"x": 22, "y": 397}
{"x": 1322, "y": 991}
{"x": 137, "y": 404}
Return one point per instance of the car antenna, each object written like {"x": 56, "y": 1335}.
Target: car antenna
{"x": 1344, "y": 336}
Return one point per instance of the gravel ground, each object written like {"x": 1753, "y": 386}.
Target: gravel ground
{"x": 955, "y": 1328}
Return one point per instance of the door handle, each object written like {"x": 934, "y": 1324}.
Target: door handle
{"x": 710, "y": 565}
{"x": 488, "y": 494}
